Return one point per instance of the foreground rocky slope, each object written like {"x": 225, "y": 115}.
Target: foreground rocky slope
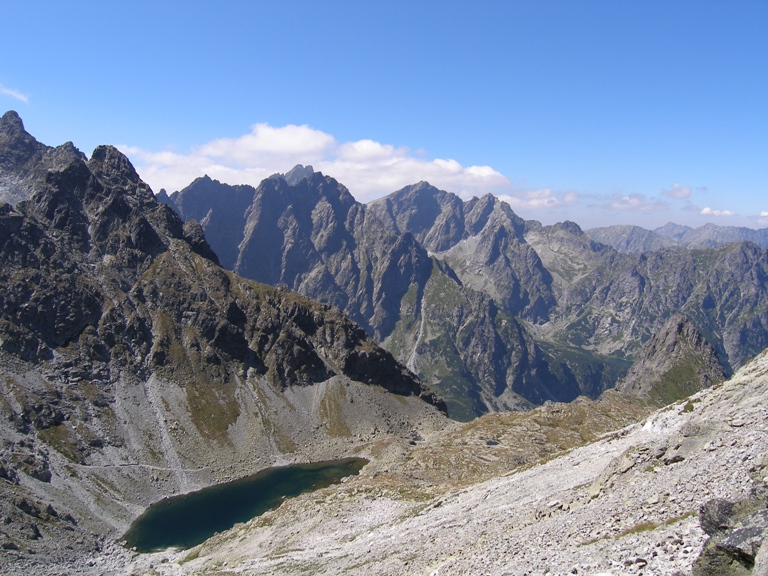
{"x": 640, "y": 500}
{"x": 133, "y": 367}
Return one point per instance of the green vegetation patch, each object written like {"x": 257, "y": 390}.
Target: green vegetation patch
{"x": 676, "y": 384}
{"x": 330, "y": 411}
{"x": 63, "y": 440}
{"x": 642, "y": 527}
{"x": 213, "y": 408}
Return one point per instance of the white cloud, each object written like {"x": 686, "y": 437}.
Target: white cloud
{"x": 710, "y": 212}
{"x": 764, "y": 214}
{"x": 637, "y": 203}
{"x": 368, "y": 168}
{"x": 570, "y": 197}
{"x": 14, "y": 94}
{"x": 265, "y": 142}
{"x": 678, "y": 191}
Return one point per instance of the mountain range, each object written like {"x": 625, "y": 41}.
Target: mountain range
{"x": 137, "y": 362}
{"x": 493, "y": 312}
{"x": 636, "y": 240}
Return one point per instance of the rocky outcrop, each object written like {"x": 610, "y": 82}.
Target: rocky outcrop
{"x": 674, "y": 364}
{"x": 737, "y": 532}
{"x": 133, "y": 367}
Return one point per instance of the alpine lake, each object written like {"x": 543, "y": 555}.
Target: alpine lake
{"x": 190, "y": 519}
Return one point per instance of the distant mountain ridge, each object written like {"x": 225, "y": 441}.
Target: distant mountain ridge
{"x": 636, "y": 240}
{"x": 492, "y": 311}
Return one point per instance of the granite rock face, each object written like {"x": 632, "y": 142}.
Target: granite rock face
{"x": 491, "y": 311}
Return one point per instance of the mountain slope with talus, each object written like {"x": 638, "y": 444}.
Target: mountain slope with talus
{"x": 134, "y": 367}
{"x": 674, "y": 364}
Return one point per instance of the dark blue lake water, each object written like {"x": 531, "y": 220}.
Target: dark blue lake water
{"x": 188, "y": 520}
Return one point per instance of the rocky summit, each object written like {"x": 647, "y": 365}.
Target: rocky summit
{"x": 134, "y": 367}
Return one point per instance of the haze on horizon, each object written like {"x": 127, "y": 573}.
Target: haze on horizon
{"x": 597, "y": 112}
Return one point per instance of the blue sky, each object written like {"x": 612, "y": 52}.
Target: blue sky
{"x": 620, "y": 112}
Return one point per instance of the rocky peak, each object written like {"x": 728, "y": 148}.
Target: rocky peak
{"x": 677, "y": 362}
{"x": 116, "y": 188}
{"x": 18, "y": 148}
{"x": 478, "y": 211}
{"x": 297, "y": 174}
{"x": 163, "y": 197}
{"x": 569, "y": 227}
{"x": 303, "y": 190}
{"x": 12, "y": 126}
{"x": 112, "y": 166}
{"x": 433, "y": 216}
{"x": 672, "y": 230}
